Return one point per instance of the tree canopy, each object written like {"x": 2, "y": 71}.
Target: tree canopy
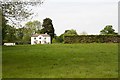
{"x": 60, "y": 38}
{"x": 14, "y": 12}
{"x": 108, "y": 30}
{"x": 70, "y": 32}
{"x": 34, "y": 26}
{"x": 17, "y": 10}
{"x": 48, "y": 27}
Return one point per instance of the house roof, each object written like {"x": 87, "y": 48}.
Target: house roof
{"x": 44, "y": 35}
{"x": 35, "y": 35}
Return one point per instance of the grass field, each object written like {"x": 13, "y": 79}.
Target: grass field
{"x": 61, "y": 61}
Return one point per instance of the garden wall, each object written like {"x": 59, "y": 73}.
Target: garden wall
{"x": 92, "y": 39}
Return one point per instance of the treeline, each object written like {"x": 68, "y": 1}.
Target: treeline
{"x": 22, "y": 35}
{"x": 71, "y": 36}
{"x": 17, "y": 12}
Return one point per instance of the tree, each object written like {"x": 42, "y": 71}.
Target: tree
{"x": 58, "y": 39}
{"x": 33, "y": 27}
{"x": 108, "y": 30}
{"x": 48, "y": 27}
{"x": 70, "y": 32}
{"x": 3, "y": 25}
{"x": 19, "y": 34}
{"x": 16, "y": 10}
{"x": 37, "y": 25}
{"x": 9, "y": 35}
{"x": 26, "y": 35}
{"x": 8, "y": 32}
{"x": 30, "y": 27}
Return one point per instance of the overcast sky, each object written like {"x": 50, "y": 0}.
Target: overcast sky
{"x": 82, "y": 15}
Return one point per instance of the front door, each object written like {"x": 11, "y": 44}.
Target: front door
{"x": 40, "y": 42}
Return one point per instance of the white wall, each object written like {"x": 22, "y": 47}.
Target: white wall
{"x": 32, "y": 40}
{"x": 48, "y": 39}
{"x": 42, "y": 40}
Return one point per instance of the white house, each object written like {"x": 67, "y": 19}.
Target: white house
{"x": 40, "y": 39}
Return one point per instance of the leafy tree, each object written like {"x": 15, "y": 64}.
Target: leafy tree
{"x": 23, "y": 35}
{"x": 30, "y": 27}
{"x": 17, "y": 10}
{"x": 10, "y": 34}
{"x": 3, "y": 26}
{"x": 26, "y": 35}
{"x": 37, "y": 25}
{"x": 58, "y": 39}
{"x": 108, "y": 30}
{"x": 48, "y": 27}
{"x": 61, "y": 38}
{"x": 70, "y": 32}
{"x": 33, "y": 27}
{"x": 14, "y": 11}
{"x": 19, "y": 34}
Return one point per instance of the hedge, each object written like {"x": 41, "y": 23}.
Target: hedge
{"x": 92, "y": 39}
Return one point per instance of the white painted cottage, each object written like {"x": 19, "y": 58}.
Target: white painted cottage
{"x": 40, "y": 39}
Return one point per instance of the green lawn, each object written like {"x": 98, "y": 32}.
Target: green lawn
{"x": 61, "y": 61}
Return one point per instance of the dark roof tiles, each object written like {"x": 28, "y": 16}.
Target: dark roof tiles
{"x": 44, "y": 35}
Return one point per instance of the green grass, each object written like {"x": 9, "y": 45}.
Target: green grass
{"x": 61, "y": 61}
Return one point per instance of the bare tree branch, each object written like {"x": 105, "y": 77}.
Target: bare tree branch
{"x": 17, "y": 10}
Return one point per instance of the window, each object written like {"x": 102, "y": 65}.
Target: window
{"x": 35, "y": 38}
{"x": 39, "y": 37}
{"x": 45, "y": 38}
